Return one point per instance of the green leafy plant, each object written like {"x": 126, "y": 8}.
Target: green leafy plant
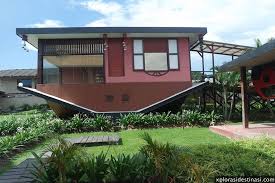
{"x": 95, "y": 168}
{"x": 60, "y": 165}
{"x": 164, "y": 157}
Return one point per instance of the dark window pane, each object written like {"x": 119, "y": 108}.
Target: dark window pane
{"x": 26, "y": 82}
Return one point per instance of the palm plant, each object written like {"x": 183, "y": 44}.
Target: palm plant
{"x": 59, "y": 165}
{"x": 228, "y": 81}
{"x": 165, "y": 159}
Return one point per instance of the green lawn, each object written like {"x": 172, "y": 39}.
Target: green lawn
{"x": 131, "y": 140}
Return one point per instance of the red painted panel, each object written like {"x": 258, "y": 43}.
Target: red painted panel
{"x": 96, "y": 96}
{"x": 115, "y": 57}
{"x": 155, "y": 45}
{"x": 181, "y": 75}
{"x": 264, "y": 80}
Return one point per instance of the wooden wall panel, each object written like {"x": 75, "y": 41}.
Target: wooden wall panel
{"x": 115, "y": 57}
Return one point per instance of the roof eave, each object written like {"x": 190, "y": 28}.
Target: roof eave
{"x": 251, "y": 58}
{"x": 72, "y": 30}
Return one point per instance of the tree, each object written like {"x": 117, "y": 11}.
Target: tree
{"x": 229, "y": 82}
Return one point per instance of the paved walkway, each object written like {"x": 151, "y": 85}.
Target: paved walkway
{"x": 238, "y": 132}
{"x": 19, "y": 174}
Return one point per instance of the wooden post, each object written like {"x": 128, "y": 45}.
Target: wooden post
{"x": 214, "y": 79}
{"x": 244, "y": 97}
{"x": 40, "y": 63}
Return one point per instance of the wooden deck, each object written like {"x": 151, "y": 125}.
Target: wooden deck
{"x": 22, "y": 172}
{"x": 94, "y": 140}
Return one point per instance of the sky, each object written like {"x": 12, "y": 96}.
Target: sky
{"x": 238, "y": 22}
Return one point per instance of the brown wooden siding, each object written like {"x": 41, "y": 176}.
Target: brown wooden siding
{"x": 115, "y": 57}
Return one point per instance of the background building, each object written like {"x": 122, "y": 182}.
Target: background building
{"x": 10, "y": 96}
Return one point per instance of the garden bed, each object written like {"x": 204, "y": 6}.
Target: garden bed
{"x": 157, "y": 161}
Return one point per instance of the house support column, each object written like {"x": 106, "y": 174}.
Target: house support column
{"x": 40, "y": 63}
{"x": 244, "y": 97}
{"x": 214, "y": 79}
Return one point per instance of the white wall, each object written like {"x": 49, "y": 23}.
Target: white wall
{"x": 16, "y": 98}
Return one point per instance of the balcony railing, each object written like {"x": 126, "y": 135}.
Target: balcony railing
{"x": 53, "y": 47}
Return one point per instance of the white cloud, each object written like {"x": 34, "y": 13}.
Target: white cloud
{"x": 238, "y": 22}
{"x": 97, "y": 23}
{"x": 48, "y": 23}
{"x": 226, "y": 20}
{"x": 105, "y": 8}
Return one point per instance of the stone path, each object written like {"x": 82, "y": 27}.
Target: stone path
{"x": 238, "y": 132}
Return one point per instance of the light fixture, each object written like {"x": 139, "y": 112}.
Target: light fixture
{"x": 20, "y": 84}
{"x": 105, "y": 44}
{"x": 24, "y": 39}
{"x": 124, "y": 44}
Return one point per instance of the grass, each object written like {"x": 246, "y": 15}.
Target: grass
{"x": 131, "y": 140}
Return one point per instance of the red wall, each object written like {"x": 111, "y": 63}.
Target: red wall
{"x": 181, "y": 75}
{"x": 93, "y": 96}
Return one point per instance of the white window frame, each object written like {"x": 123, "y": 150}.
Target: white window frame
{"x": 173, "y": 44}
{"x": 137, "y": 65}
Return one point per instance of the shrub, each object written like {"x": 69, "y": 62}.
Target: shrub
{"x": 96, "y": 169}
{"x": 9, "y": 126}
{"x": 56, "y": 125}
{"x": 136, "y": 120}
{"x": 20, "y": 139}
{"x": 158, "y": 162}
{"x": 103, "y": 123}
{"x": 58, "y": 167}
{"x": 195, "y": 118}
{"x": 75, "y": 124}
{"x": 164, "y": 158}
{"x": 25, "y": 107}
{"x": 233, "y": 159}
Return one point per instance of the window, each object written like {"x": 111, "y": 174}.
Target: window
{"x": 50, "y": 72}
{"x": 138, "y": 55}
{"x": 155, "y": 54}
{"x": 26, "y": 82}
{"x": 73, "y": 69}
{"x": 173, "y": 54}
{"x": 156, "y": 62}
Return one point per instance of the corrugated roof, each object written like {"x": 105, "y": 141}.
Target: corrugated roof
{"x": 259, "y": 56}
{"x": 18, "y": 73}
{"x": 221, "y": 48}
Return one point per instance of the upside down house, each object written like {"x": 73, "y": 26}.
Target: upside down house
{"x": 112, "y": 69}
